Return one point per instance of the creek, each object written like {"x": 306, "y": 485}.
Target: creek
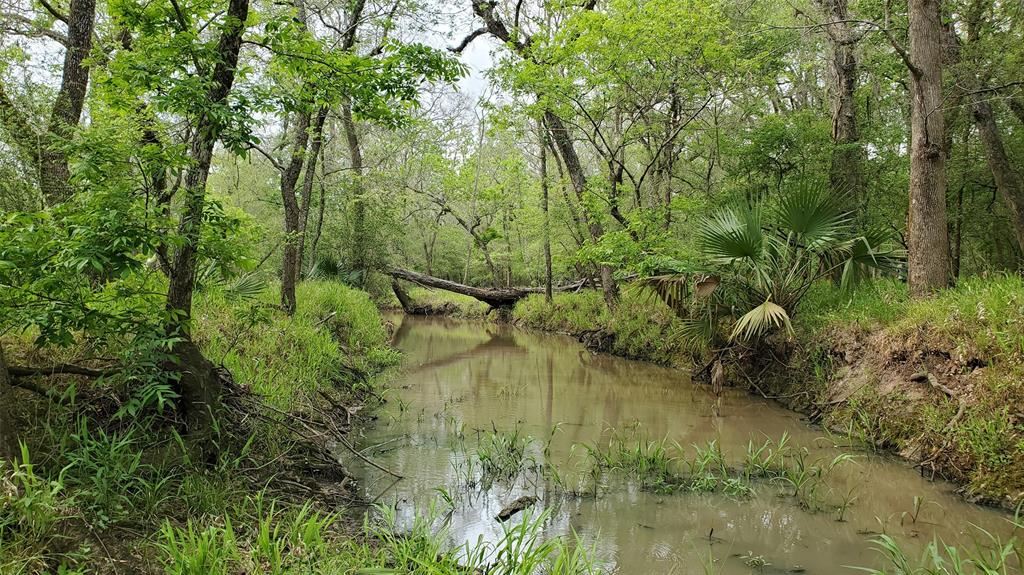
{"x": 464, "y": 383}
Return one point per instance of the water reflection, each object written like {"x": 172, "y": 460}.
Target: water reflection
{"x": 464, "y": 377}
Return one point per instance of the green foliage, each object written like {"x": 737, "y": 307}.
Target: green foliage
{"x": 760, "y": 269}
{"x": 32, "y": 505}
{"x": 639, "y": 327}
{"x": 990, "y": 556}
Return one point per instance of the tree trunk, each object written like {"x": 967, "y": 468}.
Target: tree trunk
{"x": 8, "y": 431}
{"x": 1008, "y": 179}
{"x": 315, "y": 150}
{"x": 846, "y": 173}
{"x": 321, "y": 208}
{"x": 544, "y": 207}
{"x": 928, "y": 265}
{"x": 45, "y": 147}
{"x": 289, "y": 178}
{"x": 54, "y": 172}
{"x": 360, "y": 242}
{"x": 560, "y": 136}
{"x": 1017, "y": 107}
{"x": 199, "y": 386}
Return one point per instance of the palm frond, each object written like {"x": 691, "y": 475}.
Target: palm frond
{"x": 813, "y": 216}
{"x": 673, "y": 289}
{"x": 872, "y": 250}
{"x": 760, "y": 320}
{"x": 732, "y": 235}
{"x": 246, "y": 287}
{"x": 696, "y": 333}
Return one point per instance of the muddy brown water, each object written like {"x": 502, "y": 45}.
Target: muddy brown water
{"x": 474, "y": 377}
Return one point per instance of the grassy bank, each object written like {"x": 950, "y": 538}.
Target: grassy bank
{"x": 639, "y": 327}
{"x": 940, "y": 381}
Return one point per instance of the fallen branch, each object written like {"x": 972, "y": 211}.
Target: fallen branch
{"x": 60, "y": 369}
{"x": 494, "y": 297}
{"x": 326, "y": 319}
{"x": 366, "y": 459}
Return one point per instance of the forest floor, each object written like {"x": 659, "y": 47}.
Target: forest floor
{"x": 939, "y": 381}
{"x": 106, "y": 488}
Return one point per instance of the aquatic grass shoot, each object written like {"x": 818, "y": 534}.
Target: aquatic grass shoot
{"x": 989, "y": 556}
{"x": 423, "y": 549}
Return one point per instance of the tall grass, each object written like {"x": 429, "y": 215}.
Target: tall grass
{"x": 336, "y": 334}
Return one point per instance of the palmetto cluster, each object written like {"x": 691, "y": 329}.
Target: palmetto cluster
{"x": 757, "y": 262}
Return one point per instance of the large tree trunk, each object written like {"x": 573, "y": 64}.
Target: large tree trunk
{"x": 928, "y": 239}
{"x": 846, "y": 173}
{"x": 1008, "y": 179}
{"x": 289, "y": 177}
{"x": 54, "y": 172}
{"x": 8, "y": 431}
{"x": 44, "y": 147}
{"x": 199, "y": 385}
{"x": 571, "y": 161}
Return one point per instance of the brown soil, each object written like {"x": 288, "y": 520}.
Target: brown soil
{"x": 920, "y": 395}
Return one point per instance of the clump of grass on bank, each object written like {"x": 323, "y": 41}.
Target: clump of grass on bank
{"x": 640, "y": 326}
{"x": 940, "y": 379}
{"x": 336, "y": 335}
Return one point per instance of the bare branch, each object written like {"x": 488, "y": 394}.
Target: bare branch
{"x": 468, "y": 40}
{"x": 32, "y": 28}
{"x": 60, "y": 369}
{"x": 53, "y": 11}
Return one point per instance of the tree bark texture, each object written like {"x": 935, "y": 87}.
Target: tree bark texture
{"x": 846, "y": 174}
{"x": 8, "y": 431}
{"x": 928, "y": 261}
{"x": 1007, "y": 177}
{"x": 199, "y": 384}
{"x": 289, "y": 178}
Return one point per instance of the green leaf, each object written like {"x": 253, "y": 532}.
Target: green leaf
{"x": 732, "y": 235}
